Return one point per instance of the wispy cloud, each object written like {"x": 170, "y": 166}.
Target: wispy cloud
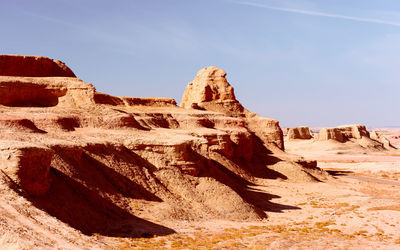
{"x": 92, "y": 32}
{"x": 317, "y": 13}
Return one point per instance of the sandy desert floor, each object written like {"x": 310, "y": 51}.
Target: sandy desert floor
{"x": 357, "y": 209}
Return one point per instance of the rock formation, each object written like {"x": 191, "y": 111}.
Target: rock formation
{"x": 27, "y": 165}
{"x": 18, "y": 91}
{"x": 382, "y": 139}
{"x": 331, "y": 134}
{"x": 357, "y": 134}
{"x": 343, "y": 133}
{"x": 97, "y": 162}
{"x": 354, "y": 131}
{"x": 211, "y": 91}
{"x": 34, "y": 66}
{"x": 299, "y": 133}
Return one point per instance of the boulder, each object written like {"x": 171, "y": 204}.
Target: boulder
{"x": 33, "y": 66}
{"x": 299, "y": 133}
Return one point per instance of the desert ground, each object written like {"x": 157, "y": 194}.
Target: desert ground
{"x": 81, "y": 169}
{"x": 359, "y": 208}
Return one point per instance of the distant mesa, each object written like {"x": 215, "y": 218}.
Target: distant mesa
{"x": 302, "y": 133}
{"x": 355, "y": 133}
{"x": 343, "y": 133}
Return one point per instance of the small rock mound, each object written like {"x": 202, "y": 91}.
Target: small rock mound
{"x": 33, "y": 66}
{"x": 299, "y": 133}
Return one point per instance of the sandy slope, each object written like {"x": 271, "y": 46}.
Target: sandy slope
{"x": 358, "y": 209}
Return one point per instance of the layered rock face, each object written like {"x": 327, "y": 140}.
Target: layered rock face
{"x": 331, "y": 134}
{"x": 32, "y": 81}
{"x": 211, "y": 91}
{"x": 44, "y": 92}
{"x": 28, "y": 165}
{"x": 354, "y": 131}
{"x": 382, "y": 139}
{"x": 34, "y": 66}
{"x": 299, "y": 133}
{"x": 98, "y": 162}
{"x": 343, "y": 133}
{"x": 100, "y": 98}
{"x": 357, "y": 134}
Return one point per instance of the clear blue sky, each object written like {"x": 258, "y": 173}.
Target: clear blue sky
{"x": 311, "y": 62}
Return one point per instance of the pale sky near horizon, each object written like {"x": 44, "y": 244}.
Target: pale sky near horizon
{"x": 302, "y": 62}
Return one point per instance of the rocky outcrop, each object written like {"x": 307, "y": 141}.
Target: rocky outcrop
{"x": 33, "y": 66}
{"x": 44, "y": 92}
{"x": 357, "y": 134}
{"x": 382, "y": 139}
{"x": 299, "y": 133}
{"x": 27, "y": 165}
{"x": 105, "y": 99}
{"x": 343, "y": 133}
{"x": 30, "y": 81}
{"x": 331, "y": 134}
{"x": 355, "y": 131}
{"x": 210, "y": 90}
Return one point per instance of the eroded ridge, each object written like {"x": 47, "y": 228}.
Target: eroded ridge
{"x": 102, "y": 163}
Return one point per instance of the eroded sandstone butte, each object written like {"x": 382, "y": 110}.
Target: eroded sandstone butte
{"x": 355, "y": 133}
{"x": 100, "y": 163}
{"x": 302, "y": 133}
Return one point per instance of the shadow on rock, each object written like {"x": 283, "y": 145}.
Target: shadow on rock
{"x": 85, "y": 210}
